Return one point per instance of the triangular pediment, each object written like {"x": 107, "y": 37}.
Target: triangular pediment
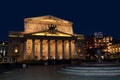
{"x": 47, "y": 18}
{"x": 51, "y": 33}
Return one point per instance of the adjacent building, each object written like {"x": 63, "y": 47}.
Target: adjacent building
{"x": 45, "y": 38}
{"x": 3, "y": 50}
{"x": 97, "y": 41}
{"x": 114, "y": 50}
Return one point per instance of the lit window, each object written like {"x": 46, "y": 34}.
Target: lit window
{"x": 108, "y": 39}
{"x": 95, "y": 43}
{"x": 103, "y": 39}
{"x": 108, "y": 47}
{"x": 95, "y": 40}
{"x": 99, "y": 40}
{"x": 113, "y": 49}
{"x": 111, "y": 38}
{"x": 90, "y": 47}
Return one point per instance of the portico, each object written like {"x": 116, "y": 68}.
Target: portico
{"x": 43, "y": 49}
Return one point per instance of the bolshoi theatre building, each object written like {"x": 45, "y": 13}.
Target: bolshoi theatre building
{"x": 45, "y": 38}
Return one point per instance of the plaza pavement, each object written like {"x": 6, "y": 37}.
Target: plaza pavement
{"x": 47, "y": 73}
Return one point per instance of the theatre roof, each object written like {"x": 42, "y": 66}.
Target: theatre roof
{"x": 47, "y": 18}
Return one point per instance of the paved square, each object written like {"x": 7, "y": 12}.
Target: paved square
{"x": 46, "y": 73}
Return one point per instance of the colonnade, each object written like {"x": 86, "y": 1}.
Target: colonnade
{"x": 50, "y": 49}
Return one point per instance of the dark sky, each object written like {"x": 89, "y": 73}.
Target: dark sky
{"x": 88, "y": 16}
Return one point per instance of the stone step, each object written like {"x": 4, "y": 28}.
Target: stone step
{"x": 93, "y": 68}
{"x": 73, "y": 70}
{"x": 90, "y": 74}
{"x": 113, "y": 64}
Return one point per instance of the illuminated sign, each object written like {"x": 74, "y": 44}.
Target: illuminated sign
{"x": 98, "y": 34}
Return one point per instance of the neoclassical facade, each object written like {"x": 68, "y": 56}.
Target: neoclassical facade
{"x": 44, "y": 38}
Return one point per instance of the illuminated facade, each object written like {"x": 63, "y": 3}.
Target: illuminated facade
{"x": 98, "y": 41}
{"x": 114, "y": 50}
{"x": 44, "y": 38}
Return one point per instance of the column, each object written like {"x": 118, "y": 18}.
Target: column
{"x": 48, "y": 49}
{"x": 24, "y": 47}
{"x": 70, "y": 55}
{"x": 41, "y": 49}
{"x": 56, "y": 50}
{"x": 62, "y": 49}
{"x": 33, "y": 49}
{"x": 76, "y": 48}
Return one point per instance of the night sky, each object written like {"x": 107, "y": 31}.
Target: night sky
{"x": 88, "y": 16}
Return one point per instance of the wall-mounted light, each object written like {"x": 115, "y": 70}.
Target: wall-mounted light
{"x": 16, "y": 50}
